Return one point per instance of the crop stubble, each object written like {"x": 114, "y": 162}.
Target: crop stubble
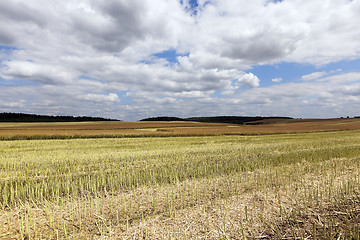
{"x": 303, "y": 185}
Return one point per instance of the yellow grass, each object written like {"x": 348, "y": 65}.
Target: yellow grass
{"x": 17, "y": 131}
{"x": 277, "y": 186}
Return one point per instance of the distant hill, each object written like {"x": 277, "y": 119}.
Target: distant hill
{"x": 23, "y": 117}
{"x": 219, "y": 119}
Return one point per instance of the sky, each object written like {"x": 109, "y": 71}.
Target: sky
{"x": 145, "y": 58}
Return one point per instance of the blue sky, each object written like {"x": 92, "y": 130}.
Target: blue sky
{"x": 131, "y": 60}
{"x": 287, "y": 71}
{"x": 291, "y": 72}
{"x": 169, "y": 55}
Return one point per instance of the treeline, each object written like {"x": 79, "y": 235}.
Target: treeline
{"x": 23, "y": 117}
{"x": 217, "y": 119}
{"x": 163, "y": 119}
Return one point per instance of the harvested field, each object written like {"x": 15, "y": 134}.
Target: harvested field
{"x": 273, "y": 186}
{"x": 19, "y": 131}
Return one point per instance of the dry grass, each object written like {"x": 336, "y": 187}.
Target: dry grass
{"x": 287, "y": 186}
{"x": 18, "y": 131}
{"x": 246, "y": 205}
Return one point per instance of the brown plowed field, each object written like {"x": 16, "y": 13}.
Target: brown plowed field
{"x": 122, "y": 129}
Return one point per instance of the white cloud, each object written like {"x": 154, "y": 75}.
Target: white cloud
{"x": 343, "y": 78}
{"x": 249, "y": 80}
{"x": 44, "y": 73}
{"x": 101, "y": 98}
{"x": 17, "y": 104}
{"x": 313, "y": 76}
{"x": 277, "y": 80}
{"x": 337, "y": 96}
{"x": 57, "y": 43}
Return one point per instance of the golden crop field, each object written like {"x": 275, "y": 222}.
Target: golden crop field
{"x": 22, "y": 131}
{"x": 125, "y": 180}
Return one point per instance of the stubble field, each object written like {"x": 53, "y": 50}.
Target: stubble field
{"x": 283, "y": 180}
{"x": 29, "y": 131}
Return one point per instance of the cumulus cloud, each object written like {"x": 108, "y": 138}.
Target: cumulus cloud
{"x": 249, "y": 80}
{"x": 254, "y": 32}
{"x": 109, "y": 27}
{"x": 6, "y": 37}
{"x": 111, "y": 97}
{"x": 75, "y": 52}
{"x": 44, "y": 73}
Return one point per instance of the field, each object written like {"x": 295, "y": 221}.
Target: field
{"x": 293, "y": 179}
{"x": 26, "y": 131}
